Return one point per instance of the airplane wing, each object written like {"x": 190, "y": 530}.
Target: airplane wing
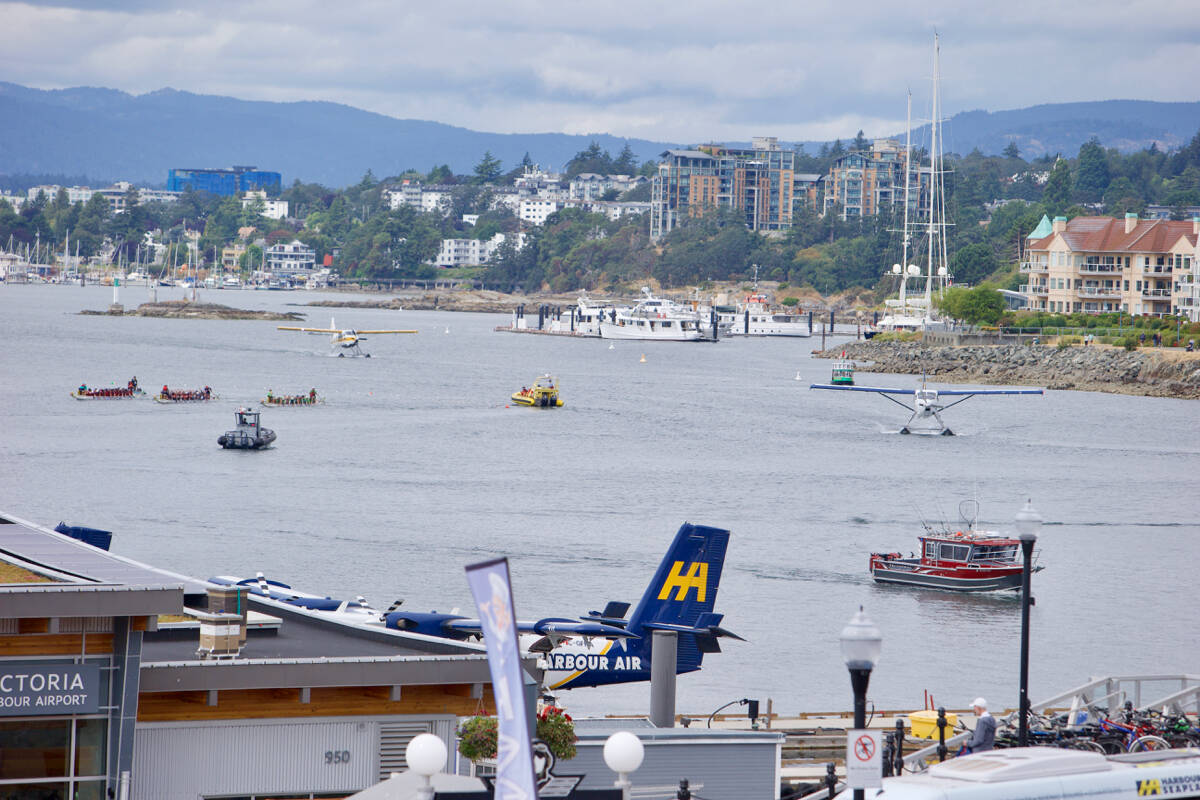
{"x": 306, "y": 330}
{"x": 969, "y": 392}
{"x": 550, "y": 626}
{"x": 875, "y": 389}
{"x": 356, "y": 330}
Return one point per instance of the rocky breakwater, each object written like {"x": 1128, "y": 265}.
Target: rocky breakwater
{"x": 182, "y": 309}
{"x": 1097, "y": 368}
{"x": 477, "y": 300}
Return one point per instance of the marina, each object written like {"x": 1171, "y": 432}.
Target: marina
{"x": 421, "y": 449}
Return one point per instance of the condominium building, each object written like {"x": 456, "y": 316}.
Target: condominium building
{"x": 271, "y": 209}
{"x": 860, "y": 184}
{"x": 1100, "y": 264}
{"x": 292, "y": 260}
{"x": 225, "y": 182}
{"x": 429, "y": 199}
{"x": 758, "y": 182}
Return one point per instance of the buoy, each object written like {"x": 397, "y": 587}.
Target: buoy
{"x": 447, "y": 330}
{"x": 643, "y": 358}
{"x": 798, "y": 376}
{"x": 612, "y": 347}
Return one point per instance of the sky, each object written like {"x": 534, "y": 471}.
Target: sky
{"x": 667, "y": 71}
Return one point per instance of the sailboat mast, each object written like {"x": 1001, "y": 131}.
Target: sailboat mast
{"x": 904, "y": 229}
{"x": 934, "y": 195}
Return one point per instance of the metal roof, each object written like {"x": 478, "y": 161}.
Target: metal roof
{"x": 63, "y": 558}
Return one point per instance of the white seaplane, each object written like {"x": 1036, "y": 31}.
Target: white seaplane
{"x": 927, "y": 403}
{"x": 343, "y": 341}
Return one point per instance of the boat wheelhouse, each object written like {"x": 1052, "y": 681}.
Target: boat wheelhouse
{"x": 843, "y": 372}
{"x": 960, "y": 561}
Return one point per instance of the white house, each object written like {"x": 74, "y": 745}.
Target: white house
{"x": 535, "y": 210}
{"x": 472, "y": 252}
{"x": 292, "y": 260}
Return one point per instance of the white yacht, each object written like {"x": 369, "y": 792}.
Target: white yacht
{"x": 137, "y": 278}
{"x": 755, "y": 318}
{"x": 231, "y": 281}
{"x": 653, "y": 319}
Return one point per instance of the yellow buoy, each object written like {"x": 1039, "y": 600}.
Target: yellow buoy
{"x": 643, "y": 361}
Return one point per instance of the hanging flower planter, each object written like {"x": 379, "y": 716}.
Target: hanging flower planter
{"x": 477, "y": 735}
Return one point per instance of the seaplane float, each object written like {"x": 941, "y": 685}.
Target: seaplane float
{"x": 927, "y": 404}
{"x": 543, "y": 394}
{"x": 343, "y": 341}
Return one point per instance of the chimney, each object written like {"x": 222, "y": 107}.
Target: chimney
{"x": 1196, "y": 226}
{"x": 1131, "y": 221}
{"x": 1060, "y": 224}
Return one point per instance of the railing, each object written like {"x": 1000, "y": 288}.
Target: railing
{"x": 1033, "y": 266}
{"x": 1107, "y": 694}
{"x": 1157, "y": 294}
{"x": 1035, "y": 288}
{"x": 1101, "y": 269}
{"x": 1098, "y": 291}
{"x": 1156, "y": 270}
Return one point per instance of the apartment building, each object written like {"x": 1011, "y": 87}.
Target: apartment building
{"x": 757, "y": 181}
{"x": 292, "y": 260}
{"x": 225, "y": 182}
{"x": 535, "y": 210}
{"x": 429, "y": 199}
{"x": 271, "y": 209}
{"x": 115, "y": 194}
{"x": 860, "y": 184}
{"x": 1099, "y": 264}
{"x": 590, "y": 186}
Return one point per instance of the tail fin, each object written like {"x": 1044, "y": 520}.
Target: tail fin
{"x": 683, "y": 592}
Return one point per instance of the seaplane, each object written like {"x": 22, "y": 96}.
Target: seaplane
{"x": 594, "y": 649}
{"x": 927, "y": 404}
{"x": 343, "y": 341}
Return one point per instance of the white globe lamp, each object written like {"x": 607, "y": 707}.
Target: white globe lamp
{"x": 913, "y": 269}
{"x": 426, "y": 756}
{"x": 895, "y": 269}
{"x": 623, "y": 753}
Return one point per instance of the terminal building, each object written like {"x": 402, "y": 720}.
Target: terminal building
{"x": 119, "y": 680}
{"x": 225, "y": 182}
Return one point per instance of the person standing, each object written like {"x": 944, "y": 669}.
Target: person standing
{"x": 984, "y": 737}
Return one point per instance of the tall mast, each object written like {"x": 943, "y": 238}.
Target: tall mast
{"x": 904, "y": 229}
{"x": 934, "y": 198}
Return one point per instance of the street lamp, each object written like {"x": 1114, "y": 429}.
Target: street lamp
{"x": 861, "y": 643}
{"x": 426, "y": 755}
{"x": 623, "y": 753}
{"x": 1028, "y": 523}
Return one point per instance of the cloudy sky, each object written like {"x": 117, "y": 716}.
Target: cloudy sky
{"x": 675, "y": 71}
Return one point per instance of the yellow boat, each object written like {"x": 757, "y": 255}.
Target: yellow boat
{"x": 924, "y": 723}
{"x": 543, "y": 394}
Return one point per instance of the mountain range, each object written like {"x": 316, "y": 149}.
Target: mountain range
{"x": 108, "y": 134}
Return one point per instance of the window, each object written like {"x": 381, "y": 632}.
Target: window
{"x": 930, "y": 550}
{"x": 954, "y": 552}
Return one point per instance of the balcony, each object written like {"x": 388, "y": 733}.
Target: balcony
{"x": 1156, "y": 270}
{"x": 1157, "y": 294}
{"x": 1036, "y": 288}
{"x": 1100, "y": 269}
{"x": 1098, "y": 291}
{"x": 1033, "y": 266}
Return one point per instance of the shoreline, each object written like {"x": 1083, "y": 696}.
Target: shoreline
{"x": 1152, "y": 372}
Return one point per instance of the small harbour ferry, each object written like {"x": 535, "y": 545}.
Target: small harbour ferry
{"x": 130, "y": 389}
{"x": 843, "y": 371}
{"x": 967, "y": 560}
{"x": 279, "y": 400}
{"x": 543, "y": 394}
{"x": 169, "y": 395}
{"x": 248, "y": 434}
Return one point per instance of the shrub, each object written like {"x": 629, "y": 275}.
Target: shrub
{"x": 1129, "y": 343}
{"x": 790, "y": 301}
{"x": 1067, "y": 341}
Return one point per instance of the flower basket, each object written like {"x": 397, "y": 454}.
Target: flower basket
{"x": 477, "y": 735}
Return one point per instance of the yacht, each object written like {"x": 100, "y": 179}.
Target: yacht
{"x": 231, "y": 281}
{"x": 653, "y": 319}
{"x": 755, "y": 318}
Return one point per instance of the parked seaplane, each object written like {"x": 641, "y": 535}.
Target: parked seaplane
{"x": 927, "y": 403}
{"x": 343, "y": 341}
{"x": 596, "y": 649}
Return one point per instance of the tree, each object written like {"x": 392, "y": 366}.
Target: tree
{"x": 974, "y": 262}
{"x": 626, "y": 162}
{"x": 488, "y": 169}
{"x": 1011, "y": 150}
{"x": 982, "y": 305}
{"x": 860, "y": 142}
{"x": 1057, "y": 193}
{"x": 1092, "y": 175}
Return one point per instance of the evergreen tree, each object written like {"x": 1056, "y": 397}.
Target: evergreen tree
{"x": 1092, "y": 176}
{"x": 1057, "y": 194}
{"x": 488, "y": 169}
{"x": 860, "y": 143}
{"x": 1011, "y": 150}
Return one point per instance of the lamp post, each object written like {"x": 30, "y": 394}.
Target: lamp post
{"x": 1028, "y": 523}
{"x": 861, "y": 643}
{"x": 623, "y": 753}
{"x": 426, "y": 755}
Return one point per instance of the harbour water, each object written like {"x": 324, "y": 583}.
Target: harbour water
{"x": 415, "y": 467}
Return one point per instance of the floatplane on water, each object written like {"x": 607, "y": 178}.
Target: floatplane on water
{"x": 343, "y": 341}
{"x": 927, "y": 405}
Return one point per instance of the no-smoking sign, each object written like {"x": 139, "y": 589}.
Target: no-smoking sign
{"x": 864, "y": 764}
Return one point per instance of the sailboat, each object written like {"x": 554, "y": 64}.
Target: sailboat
{"x": 909, "y": 312}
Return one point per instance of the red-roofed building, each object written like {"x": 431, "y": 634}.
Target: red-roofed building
{"x": 1100, "y": 264}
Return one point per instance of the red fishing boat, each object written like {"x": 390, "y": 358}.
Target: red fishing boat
{"x": 966, "y": 560}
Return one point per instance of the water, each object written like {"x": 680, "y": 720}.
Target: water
{"x": 415, "y": 468}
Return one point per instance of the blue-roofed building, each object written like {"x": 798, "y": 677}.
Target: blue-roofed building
{"x": 226, "y": 182}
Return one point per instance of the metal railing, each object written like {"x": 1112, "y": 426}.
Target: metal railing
{"x": 1100, "y": 269}
{"x": 1098, "y": 291}
{"x": 1034, "y": 288}
{"x": 1034, "y": 266}
{"x": 1157, "y": 293}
